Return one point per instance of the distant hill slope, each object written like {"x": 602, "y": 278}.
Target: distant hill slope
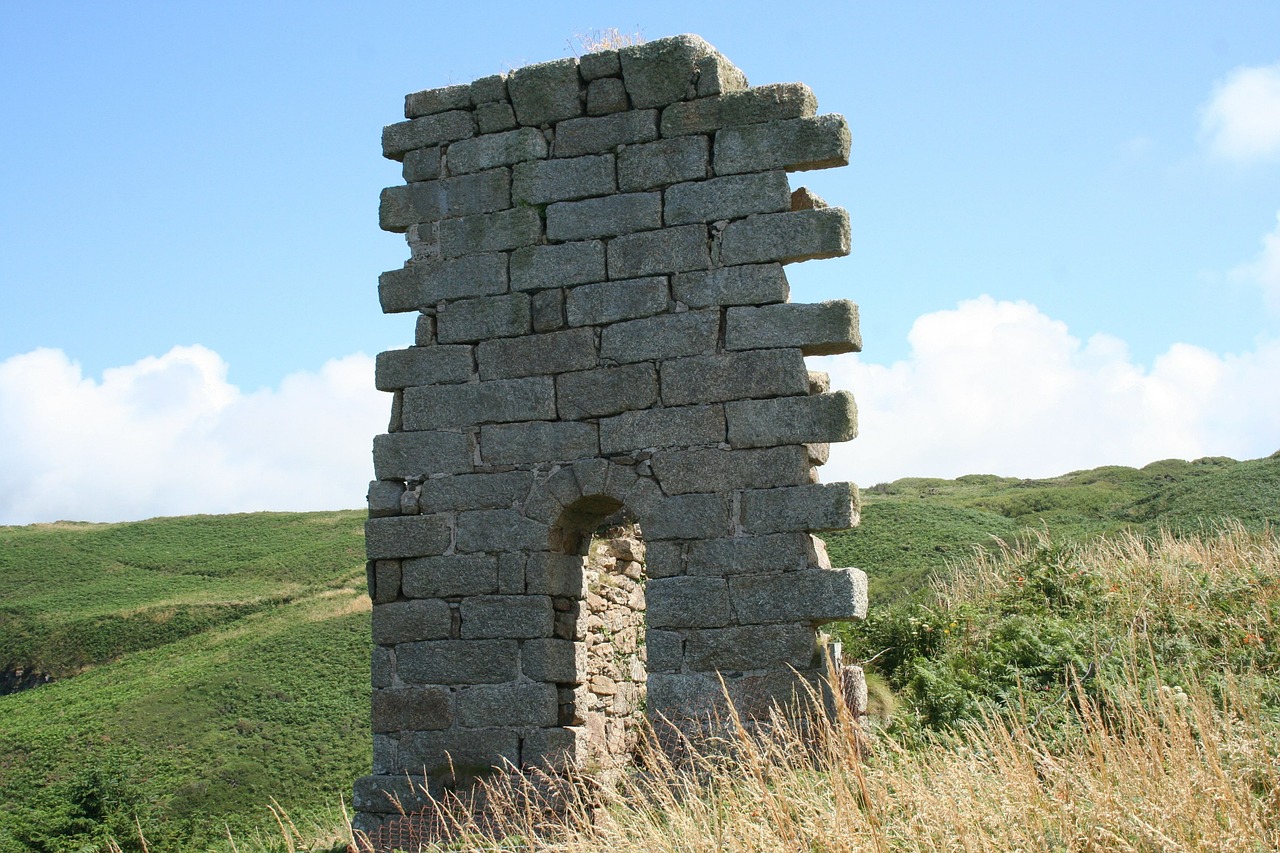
{"x": 915, "y": 526}
{"x": 207, "y": 664}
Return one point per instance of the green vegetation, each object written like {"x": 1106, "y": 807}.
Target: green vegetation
{"x": 207, "y": 665}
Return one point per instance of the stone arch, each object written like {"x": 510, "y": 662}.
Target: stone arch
{"x": 603, "y": 321}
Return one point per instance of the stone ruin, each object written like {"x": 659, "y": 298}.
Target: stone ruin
{"x": 603, "y": 337}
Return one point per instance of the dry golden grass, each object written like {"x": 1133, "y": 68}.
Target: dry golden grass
{"x": 1146, "y": 767}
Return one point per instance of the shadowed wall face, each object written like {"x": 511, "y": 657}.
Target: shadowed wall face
{"x": 597, "y": 250}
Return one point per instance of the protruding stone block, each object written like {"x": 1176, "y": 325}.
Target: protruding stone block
{"x": 829, "y": 506}
{"x": 383, "y": 497}
{"x": 775, "y": 102}
{"x": 401, "y": 138}
{"x": 414, "y": 455}
{"x": 792, "y": 420}
{"x": 396, "y": 369}
{"x": 795, "y": 145}
{"x": 406, "y": 536}
{"x": 816, "y": 596}
{"x": 736, "y": 555}
{"x": 730, "y": 197}
{"x": 786, "y": 237}
{"x": 425, "y": 283}
{"x": 490, "y": 232}
{"x": 486, "y": 317}
{"x": 430, "y": 101}
{"x": 823, "y": 328}
{"x": 409, "y": 621}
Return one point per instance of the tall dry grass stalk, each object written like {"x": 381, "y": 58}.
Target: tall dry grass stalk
{"x": 1139, "y": 767}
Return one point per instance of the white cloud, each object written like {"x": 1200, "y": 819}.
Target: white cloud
{"x": 1242, "y": 119}
{"x": 1264, "y": 270}
{"x": 170, "y": 436}
{"x": 998, "y": 387}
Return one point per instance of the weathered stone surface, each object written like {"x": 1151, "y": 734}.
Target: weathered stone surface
{"x": 490, "y": 232}
{"x": 488, "y": 89}
{"x": 412, "y": 708}
{"x": 551, "y": 660}
{"x": 551, "y": 573}
{"x": 543, "y": 181}
{"x": 733, "y": 376}
{"x": 507, "y": 705}
{"x": 604, "y": 217}
{"x": 545, "y": 93}
{"x": 538, "y": 441}
{"x": 717, "y": 76}
{"x": 715, "y": 470}
{"x": 689, "y": 517}
{"x": 750, "y": 554}
{"x": 742, "y": 285}
{"x": 786, "y": 237}
{"x": 533, "y": 355}
{"x": 450, "y": 575}
{"x": 679, "y": 695}
{"x": 497, "y": 530}
{"x": 413, "y": 455}
{"x": 611, "y": 301}
{"x": 730, "y": 197}
{"x": 560, "y": 265}
{"x": 751, "y": 647}
{"x": 400, "y": 138}
{"x": 579, "y": 136}
{"x": 555, "y": 749}
{"x": 464, "y": 195}
{"x": 408, "y": 621}
{"x": 819, "y": 382}
{"x": 664, "y": 559}
{"x": 548, "y": 310}
{"x": 637, "y": 430}
{"x": 823, "y": 328}
{"x": 660, "y": 72}
{"x": 383, "y": 497}
{"x": 396, "y": 369}
{"x": 606, "y": 96}
{"x": 668, "y": 250}
{"x": 511, "y": 574}
{"x": 395, "y": 210}
{"x": 661, "y": 337}
{"x": 496, "y": 149}
{"x": 792, "y": 420}
{"x": 500, "y": 401}
{"x": 407, "y": 536}
{"x": 687, "y": 602}
{"x": 474, "y": 491}
{"x": 382, "y": 666}
{"x": 665, "y": 650}
{"x": 774, "y": 102}
{"x": 608, "y": 391}
{"x": 424, "y": 283}
{"x": 421, "y": 164}
{"x": 387, "y": 795}
{"x": 386, "y": 581}
{"x": 506, "y": 616}
{"x": 458, "y": 753}
{"x": 602, "y": 63}
{"x": 431, "y": 101}
{"x": 495, "y": 118}
{"x": 457, "y": 661}
{"x": 828, "y": 506}
{"x": 485, "y": 317}
{"x": 666, "y": 161}
{"x": 815, "y": 595}
{"x": 795, "y": 145}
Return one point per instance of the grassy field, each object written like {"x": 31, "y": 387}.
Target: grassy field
{"x": 207, "y": 665}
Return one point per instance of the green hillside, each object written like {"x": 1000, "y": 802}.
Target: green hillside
{"x": 206, "y": 665}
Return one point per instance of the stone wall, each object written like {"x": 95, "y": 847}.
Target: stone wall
{"x": 603, "y": 325}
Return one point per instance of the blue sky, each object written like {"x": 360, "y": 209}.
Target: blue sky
{"x": 1066, "y": 245}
